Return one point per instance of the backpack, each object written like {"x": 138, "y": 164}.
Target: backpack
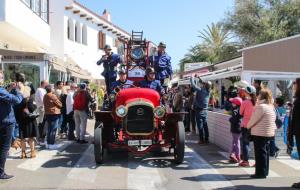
{"x": 80, "y": 101}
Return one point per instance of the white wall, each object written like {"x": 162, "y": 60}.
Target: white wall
{"x": 23, "y": 19}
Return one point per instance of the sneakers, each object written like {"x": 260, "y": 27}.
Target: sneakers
{"x": 5, "y": 176}
{"x": 277, "y": 153}
{"x": 244, "y": 164}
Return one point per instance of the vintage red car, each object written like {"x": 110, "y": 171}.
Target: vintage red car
{"x": 137, "y": 121}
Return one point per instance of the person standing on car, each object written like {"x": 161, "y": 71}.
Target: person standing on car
{"x": 201, "y": 108}
{"x": 81, "y": 108}
{"x": 110, "y": 62}
{"x": 150, "y": 81}
{"x": 8, "y": 98}
{"x": 162, "y": 65}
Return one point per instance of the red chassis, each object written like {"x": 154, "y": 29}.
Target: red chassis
{"x": 136, "y": 120}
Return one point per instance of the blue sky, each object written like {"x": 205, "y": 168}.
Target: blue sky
{"x": 175, "y": 22}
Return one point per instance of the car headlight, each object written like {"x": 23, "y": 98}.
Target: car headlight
{"x": 159, "y": 112}
{"x": 121, "y": 111}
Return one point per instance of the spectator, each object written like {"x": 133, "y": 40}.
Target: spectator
{"x": 70, "y": 111}
{"x": 188, "y": 108}
{"x": 58, "y": 92}
{"x": 81, "y": 102}
{"x": 39, "y": 97}
{"x": 28, "y": 125}
{"x": 235, "y": 129}
{"x": 294, "y": 124}
{"x": 64, "y": 120}
{"x": 8, "y": 98}
{"x": 262, "y": 125}
{"x": 52, "y": 112}
{"x": 280, "y": 112}
{"x": 201, "y": 107}
{"x": 246, "y": 110}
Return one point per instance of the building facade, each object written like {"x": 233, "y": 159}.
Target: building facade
{"x": 53, "y": 40}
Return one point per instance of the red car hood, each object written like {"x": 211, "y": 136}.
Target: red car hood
{"x": 132, "y": 94}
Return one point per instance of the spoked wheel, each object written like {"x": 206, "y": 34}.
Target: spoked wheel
{"x": 179, "y": 143}
{"x": 98, "y": 143}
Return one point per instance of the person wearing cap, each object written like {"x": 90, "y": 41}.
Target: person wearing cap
{"x": 123, "y": 82}
{"x": 235, "y": 129}
{"x": 162, "y": 65}
{"x": 110, "y": 62}
{"x": 248, "y": 94}
{"x": 201, "y": 106}
{"x": 150, "y": 81}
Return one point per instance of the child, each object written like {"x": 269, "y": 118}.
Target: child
{"x": 235, "y": 129}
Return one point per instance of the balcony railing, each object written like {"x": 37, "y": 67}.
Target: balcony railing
{"x": 39, "y": 7}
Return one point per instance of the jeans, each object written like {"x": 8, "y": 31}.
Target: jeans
{"x": 71, "y": 129}
{"x": 273, "y": 147}
{"x": 53, "y": 122}
{"x": 15, "y": 132}
{"x": 201, "y": 120}
{"x": 236, "y": 148}
{"x": 108, "y": 82}
{"x": 80, "y": 118}
{"x": 261, "y": 149}
{"x": 5, "y": 141}
{"x": 64, "y": 123}
{"x": 245, "y": 144}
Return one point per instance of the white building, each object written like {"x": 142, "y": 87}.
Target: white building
{"x": 55, "y": 39}
{"x": 25, "y": 38}
{"x": 78, "y": 36}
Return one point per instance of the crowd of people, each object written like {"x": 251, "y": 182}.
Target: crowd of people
{"x": 255, "y": 115}
{"x": 40, "y": 116}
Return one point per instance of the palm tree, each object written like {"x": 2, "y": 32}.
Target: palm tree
{"x": 215, "y": 40}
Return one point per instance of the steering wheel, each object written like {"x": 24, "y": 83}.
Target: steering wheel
{"x": 118, "y": 88}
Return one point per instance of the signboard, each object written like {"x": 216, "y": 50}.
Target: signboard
{"x": 194, "y": 66}
{"x": 136, "y": 73}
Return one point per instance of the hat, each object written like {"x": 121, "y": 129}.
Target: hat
{"x": 107, "y": 47}
{"x": 149, "y": 70}
{"x": 82, "y": 86}
{"x": 237, "y": 101}
{"x": 161, "y": 44}
{"x": 122, "y": 71}
{"x": 242, "y": 84}
{"x": 250, "y": 89}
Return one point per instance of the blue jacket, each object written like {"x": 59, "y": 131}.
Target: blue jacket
{"x": 126, "y": 84}
{"x": 7, "y": 101}
{"x": 202, "y": 96}
{"x": 155, "y": 85}
{"x": 110, "y": 65}
{"x": 162, "y": 66}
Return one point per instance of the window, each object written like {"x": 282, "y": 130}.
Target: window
{"x": 84, "y": 35}
{"x": 44, "y": 10}
{"x": 101, "y": 40}
{"x": 78, "y": 32}
{"x": 70, "y": 29}
{"x": 39, "y": 7}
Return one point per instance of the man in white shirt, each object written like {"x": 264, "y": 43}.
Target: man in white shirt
{"x": 70, "y": 111}
{"x": 39, "y": 97}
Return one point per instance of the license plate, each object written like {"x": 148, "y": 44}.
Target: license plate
{"x": 133, "y": 143}
{"x": 146, "y": 142}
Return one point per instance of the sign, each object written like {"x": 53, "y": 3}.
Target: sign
{"x": 136, "y": 73}
{"x": 194, "y": 66}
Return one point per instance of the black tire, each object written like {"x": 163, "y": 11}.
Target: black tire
{"x": 98, "y": 144}
{"x": 179, "y": 143}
